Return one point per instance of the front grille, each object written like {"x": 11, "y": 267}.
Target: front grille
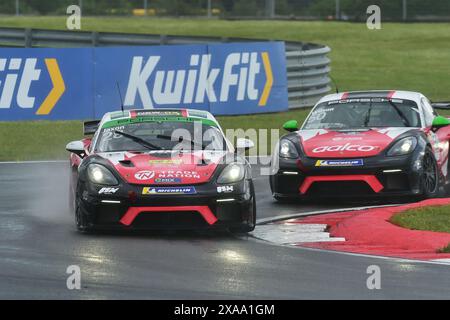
{"x": 340, "y": 188}
{"x": 173, "y": 219}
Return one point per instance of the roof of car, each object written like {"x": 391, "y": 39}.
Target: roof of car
{"x": 388, "y": 94}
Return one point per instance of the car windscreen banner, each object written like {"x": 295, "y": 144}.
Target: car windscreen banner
{"x": 82, "y": 83}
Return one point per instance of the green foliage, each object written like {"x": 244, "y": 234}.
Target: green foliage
{"x": 353, "y": 9}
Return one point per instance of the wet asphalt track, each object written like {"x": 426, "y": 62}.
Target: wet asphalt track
{"x": 38, "y": 242}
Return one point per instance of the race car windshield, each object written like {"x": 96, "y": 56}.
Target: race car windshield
{"x": 160, "y": 135}
{"x": 364, "y": 113}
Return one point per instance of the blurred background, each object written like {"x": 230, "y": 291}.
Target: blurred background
{"x": 347, "y": 10}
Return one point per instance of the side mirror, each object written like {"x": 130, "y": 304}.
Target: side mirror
{"x": 244, "y": 144}
{"x": 440, "y": 122}
{"x": 76, "y": 147}
{"x": 291, "y": 126}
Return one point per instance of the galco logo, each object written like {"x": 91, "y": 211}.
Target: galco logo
{"x": 144, "y": 175}
{"x": 20, "y": 74}
{"x": 198, "y": 83}
{"x": 346, "y": 147}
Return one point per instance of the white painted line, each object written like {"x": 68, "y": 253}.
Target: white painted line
{"x": 34, "y": 162}
{"x": 295, "y": 227}
{"x": 294, "y": 233}
{"x": 264, "y": 221}
{"x": 446, "y": 261}
{"x": 358, "y": 255}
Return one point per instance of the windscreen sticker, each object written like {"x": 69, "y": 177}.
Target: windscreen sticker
{"x": 122, "y": 122}
{"x": 364, "y": 100}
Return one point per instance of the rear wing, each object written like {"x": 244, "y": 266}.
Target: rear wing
{"x": 441, "y": 105}
{"x": 90, "y": 127}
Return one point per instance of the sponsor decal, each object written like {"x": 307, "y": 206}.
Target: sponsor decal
{"x": 167, "y": 174}
{"x": 347, "y": 139}
{"x": 119, "y": 128}
{"x": 340, "y": 163}
{"x": 239, "y": 70}
{"x": 108, "y": 190}
{"x": 225, "y": 189}
{"x": 178, "y": 174}
{"x": 346, "y": 147}
{"x": 156, "y": 113}
{"x": 144, "y": 175}
{"x": 168, "y": 190}
{"x": 166, "y": 161}
{"x": 26, "y": 70}
{"x": 167, "y": 180}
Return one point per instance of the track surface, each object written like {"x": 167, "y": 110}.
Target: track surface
{"x": 38, "y": 242}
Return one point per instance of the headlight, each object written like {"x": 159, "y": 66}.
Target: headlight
{"x": 287, "y": 149}
{"x": 403, "y": 146}
{"x": 100, "y": 175}
{"x": 234, "y": 172}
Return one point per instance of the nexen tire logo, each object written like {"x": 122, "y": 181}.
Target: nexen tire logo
{"x": 346, "y": 147}
{"x": 197, "y": 83}
{"x": 29, "y": 75}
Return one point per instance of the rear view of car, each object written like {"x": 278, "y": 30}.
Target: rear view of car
{"x": 160, "y": 169}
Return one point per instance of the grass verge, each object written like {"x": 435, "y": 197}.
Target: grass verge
{"x": 435, "y": 218}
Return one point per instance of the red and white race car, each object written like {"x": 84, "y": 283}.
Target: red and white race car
{"x": 374, "y": 143}
{"x": 146, "y": 169}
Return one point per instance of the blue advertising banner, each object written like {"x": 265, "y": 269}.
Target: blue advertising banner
{"x": 66, "y": 84}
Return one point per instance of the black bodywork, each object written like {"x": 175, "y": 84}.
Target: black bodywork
{"x": 238, "y": 215}
{"x": 398, "y": 184}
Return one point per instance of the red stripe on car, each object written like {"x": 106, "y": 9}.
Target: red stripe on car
{"x": 133, "y": 212}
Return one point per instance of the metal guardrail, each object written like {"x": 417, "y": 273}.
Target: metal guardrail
{"x": 308, "y": 66}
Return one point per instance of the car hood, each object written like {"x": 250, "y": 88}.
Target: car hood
{"x": 165, "y": 168}
{"x": 323, "y": 143}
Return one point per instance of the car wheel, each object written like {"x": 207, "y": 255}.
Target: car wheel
{"x": 430, "y": 176}
{"x": 251, "y": 223}
{"x": 81, "y": 221}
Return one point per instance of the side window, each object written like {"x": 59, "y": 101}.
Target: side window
{"x": 428, "y": 112}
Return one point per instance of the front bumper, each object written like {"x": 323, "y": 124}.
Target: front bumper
{"x": 378, "y": 177}
{"x": 128, "y": 208}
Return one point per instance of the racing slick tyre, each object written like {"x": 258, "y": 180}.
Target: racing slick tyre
{"x": 81, "y": 221}
{"x": 430, "y": 181}
{"x": 250, "y": 226}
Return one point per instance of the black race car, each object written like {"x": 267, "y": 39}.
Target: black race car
{"x": 143, "y": 170}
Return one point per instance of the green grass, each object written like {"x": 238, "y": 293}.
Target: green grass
{"x": 445, "y": 250}
{"x": 428, "y": 218}
{"x": 400, "y": 56}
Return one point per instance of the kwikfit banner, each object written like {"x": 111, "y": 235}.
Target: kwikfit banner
{"x": 84, "y": 83}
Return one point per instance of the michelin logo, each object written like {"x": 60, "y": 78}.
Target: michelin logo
{"x": 168, "y": 190}
{"x": 197, "y": 84}
{"x": 340, "y": 163}
{"x": 30, "y": 73}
